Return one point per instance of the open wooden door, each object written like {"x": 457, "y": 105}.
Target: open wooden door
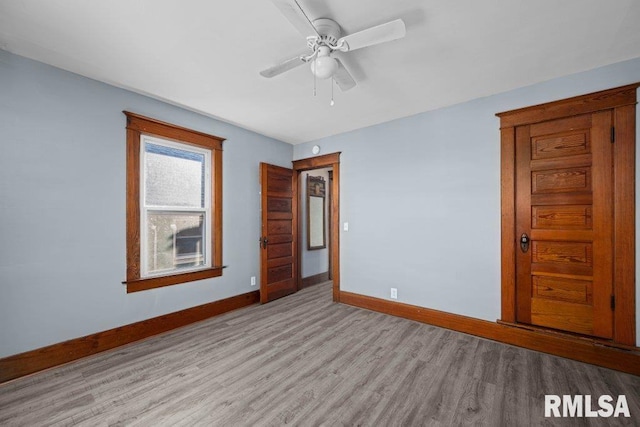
{"x": 278, "y": 266}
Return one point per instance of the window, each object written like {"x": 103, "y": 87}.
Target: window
{"x": 174, "y": 204}
{"x": 175, "y": 198}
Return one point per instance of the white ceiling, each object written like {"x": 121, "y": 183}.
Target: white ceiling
{"x": 206, "y": 55}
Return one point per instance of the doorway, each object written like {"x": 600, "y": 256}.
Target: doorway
{"x": 314, "y": 206}
{"x": 332, "y": 162}
{"x": 282, "y": 230}
{"x": 568, "y": 215}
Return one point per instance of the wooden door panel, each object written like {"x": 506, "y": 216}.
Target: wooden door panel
{"x": 278, "y": 289}
{"x": 569, "y": 254}
{"x": 279, "y": 182}
{"x": 563, "y": 289}
{"x": 279, "y": 227}
{"x": 278, "y": 274}
{"x": 279, "y": 250}
{"x": 570, "y": 217}
{"x": 563, "y": 179}
{"x": 561, "y": 145}
{"x": 278, "y": 269}
{"x": 279, "y": 205}
{"x": 562, "y": 315}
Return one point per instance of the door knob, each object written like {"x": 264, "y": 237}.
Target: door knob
{"x": 524, "y": 242}
{"x": 264, "y": 242}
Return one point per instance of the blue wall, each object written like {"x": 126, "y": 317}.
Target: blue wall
{"x": 421, "y": 195}
{"x": 422, "y": 198}
{"x": 62, "y": 207}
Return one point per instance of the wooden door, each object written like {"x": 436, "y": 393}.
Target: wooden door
{"x": 564, "y": 208}
{"x": 278, "y": 266}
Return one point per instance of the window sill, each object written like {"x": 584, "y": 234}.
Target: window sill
{"x": 136, "y": 285}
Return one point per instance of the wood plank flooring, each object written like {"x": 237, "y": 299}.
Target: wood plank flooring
{"x": 304, "y": 360}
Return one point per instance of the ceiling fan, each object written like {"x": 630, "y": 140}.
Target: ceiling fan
{"x": 324, "y": 37}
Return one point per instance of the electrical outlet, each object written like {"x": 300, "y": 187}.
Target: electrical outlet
{"x": 394, "y": 293}
{"x": 253, "y": 280}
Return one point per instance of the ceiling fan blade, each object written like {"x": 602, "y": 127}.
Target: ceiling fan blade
{"x": 342, "y": 77}
{"x": 379, "y": 34}
{"x": 294, "y": 13}
{"x": 287, "y": 65}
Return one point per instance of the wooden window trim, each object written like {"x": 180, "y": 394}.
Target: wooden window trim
{"x": 138, "y": 125}
{"x": 622, "y": 102}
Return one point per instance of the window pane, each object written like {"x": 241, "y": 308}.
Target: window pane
{"x": 174, "y": 241}
{"x": 173, "y": 177}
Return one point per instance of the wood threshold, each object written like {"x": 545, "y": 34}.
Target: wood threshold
{"x": 580, "y": 349}
{"x": 57, "y": 354}
{"x": 568, "y": 335}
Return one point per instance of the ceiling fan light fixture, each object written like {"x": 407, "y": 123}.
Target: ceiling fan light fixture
{"x": 324, "y": 67}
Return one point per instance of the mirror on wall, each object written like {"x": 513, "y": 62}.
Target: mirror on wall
{"x": 316, "y": 233}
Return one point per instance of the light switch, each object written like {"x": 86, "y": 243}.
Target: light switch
{"x": 346, "y": 226}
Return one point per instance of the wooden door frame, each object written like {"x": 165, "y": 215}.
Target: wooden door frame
{"x": 333, "y": 161}
{"x": 622, "y": 102}
{"x": 330, "y": 222}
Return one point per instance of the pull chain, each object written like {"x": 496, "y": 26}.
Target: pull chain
{"x": 332, "y": 103}
{"x": 314, "y": 78}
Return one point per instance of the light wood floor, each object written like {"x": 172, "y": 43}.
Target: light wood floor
{"x": 304, "y": 360}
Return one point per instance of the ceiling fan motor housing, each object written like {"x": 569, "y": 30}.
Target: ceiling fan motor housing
{"x": 329, "y": 31}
